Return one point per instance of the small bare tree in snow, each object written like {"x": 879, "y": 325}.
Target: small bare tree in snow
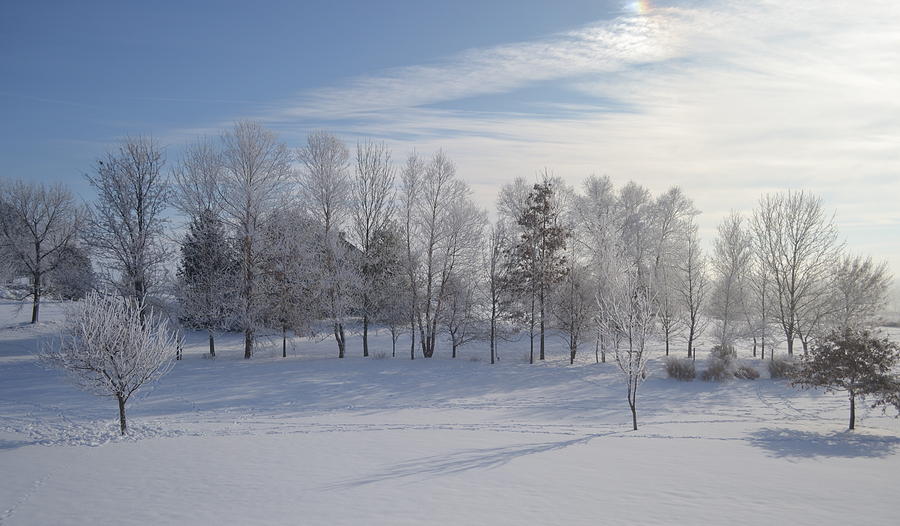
{"x": 629, "y": 321}
{"x": 573, "y": 305}
{"x": 112, "y": 349}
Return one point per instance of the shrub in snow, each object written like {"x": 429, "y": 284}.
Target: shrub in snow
{"x": 720, "y": 364}
{"x": 113, "y": 349}
{"x": 725, "y": 353}
{"x": 781, "y": 367}
{"x": 681, "y": 368}
{"x": 854, "y": 361}
{"x": 746, "y": 372}
{"x": 379, "y": 355}
{"x": 716, "y": 370}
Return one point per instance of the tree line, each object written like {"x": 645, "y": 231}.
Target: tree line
{"x": 320, "y": 236}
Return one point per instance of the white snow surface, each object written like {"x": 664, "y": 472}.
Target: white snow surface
{"x": 311, "y": 439}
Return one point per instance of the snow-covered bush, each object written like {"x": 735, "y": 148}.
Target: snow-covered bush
{"x": 717, "y": 370}
{"x": 720, "y": 364}
{"x": 781, "y": 367}
{"x": 680, "y": 368}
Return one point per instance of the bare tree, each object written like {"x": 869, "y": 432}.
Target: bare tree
{"x": 196, "y": 179}
{"x": 411, "y": 180}
{"x": 38, "y": 226}
{"x": 448, "y": 230}
{"x": 459, "y": 317}
{"x": 112, "y": 348}
{"x": 325, "y": 180}
{"x": 495, "y": 285}
{"x": 861, "y": 288}
{"x": 372, "y": 191}
{"x": 127, "y": 223}
{"x": 693, "y": 288}
{"x": 326, "y": 191}
{"x": 629, "y": 321}
{"x": 573, "y": 305}
{"x": 731, "y": 260}
{"x": 798, "y": 245}
{"x": 255, "y": 168}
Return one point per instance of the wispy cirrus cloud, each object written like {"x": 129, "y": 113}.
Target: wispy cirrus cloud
{"x": 726, "y": 99}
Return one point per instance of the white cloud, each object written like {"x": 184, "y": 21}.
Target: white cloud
{"x": 728, "y": 100}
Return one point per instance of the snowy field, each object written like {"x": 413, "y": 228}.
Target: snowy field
{"x": 315, "y": 440}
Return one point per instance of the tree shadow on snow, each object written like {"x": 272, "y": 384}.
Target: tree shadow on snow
{"x": 463, "y": 460}
{"x": 787, "y": 443}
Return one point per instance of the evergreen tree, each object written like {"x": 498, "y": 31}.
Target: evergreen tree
{"x": 207, "y": 273}
{"x": 855, "y": 361}
{"x": 538, "y": 260}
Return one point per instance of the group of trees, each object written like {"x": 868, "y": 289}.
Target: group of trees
{"x": 303, "y": 241}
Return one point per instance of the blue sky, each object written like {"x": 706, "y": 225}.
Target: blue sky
{"x": 728, "y": 99}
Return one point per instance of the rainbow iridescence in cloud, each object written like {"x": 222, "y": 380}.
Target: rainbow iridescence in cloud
{"x": 641, "y": 7}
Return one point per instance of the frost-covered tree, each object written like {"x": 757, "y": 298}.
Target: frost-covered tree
{"x": 254, "y": 170}
{"x": 38, "y": 226}
{"x": 206, "y": 274}
{"x": 495, "y": 285}
{"x": 855, "y": 361}
{"x": 460, "y": 318}
{"x": 628, "y": 321}
{"x": 573, "y": 302}
{"x": 410, "y": 182}
{"x": 444, "y": 229}
{"x": 112, "y": 347}
{"x": 325, "y": 188}
{"x": 372, "y": 195}
{"x": 798, "y": 245}
{"x": 289, "y": 282}
{"x": 127, "y": 221}
{"x": 73, "y": 278}
{"x": 693, "y": 288}
{"x": 860, "y": 290}
{"x": 389, "y": 288}
{"x": 730, "y": 262}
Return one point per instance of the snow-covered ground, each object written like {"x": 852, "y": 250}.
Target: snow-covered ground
{"x": 315, "y": 440}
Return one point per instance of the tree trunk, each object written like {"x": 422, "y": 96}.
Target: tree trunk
{"x": 790, "y": 344}
{"x": 339, "y": 338}
{"x": 283, "y": 341}
{"x": 248, "y": 343}
{"x": 754, "y": 346}
{"x": 453, "y": 343}
{"x": 852, "y": 411}
{"x": 667, "y": 343}
{"x": 542, "y": 324}
{"x": 122, "y": 426}
{"x": 493, "y": 337}
{"x": 412, "y": 339}
{"x": 633, "y": 406}
{"x": 572, "y": 355}
{"x": 36, "y": 291}
{"x": 365, "y": 335}
{"x": 212, "y": 345}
